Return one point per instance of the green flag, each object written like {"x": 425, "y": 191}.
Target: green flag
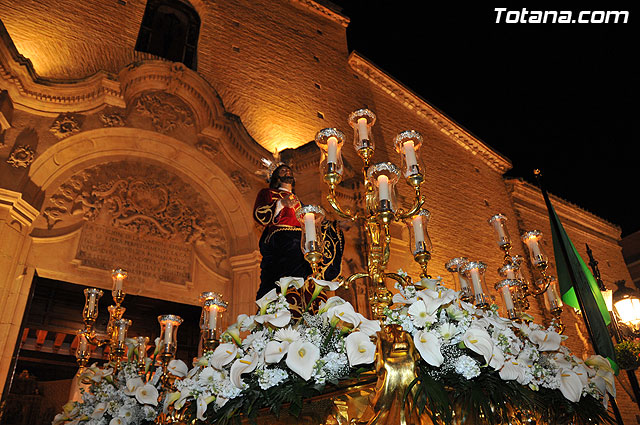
{"x": 579, "y": 288}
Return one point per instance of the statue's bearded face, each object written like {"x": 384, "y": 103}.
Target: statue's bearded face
{"x": 285, "y": 175}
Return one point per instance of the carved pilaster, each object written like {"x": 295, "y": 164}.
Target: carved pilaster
{"x": 245, "y": 270}
{"x": 16, "y": 216}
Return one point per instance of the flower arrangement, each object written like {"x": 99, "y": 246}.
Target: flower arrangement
{"x": 477, "y": 359}
{"x": 628, "y": 354}
{"x": 283, "y": 359}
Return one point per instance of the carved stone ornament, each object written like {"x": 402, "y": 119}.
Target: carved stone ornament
{"x": 21, "y": 157}
{"x": 112, "y": 119}
{"x": 209, "y": 148}
{"x": 140, "y": 198}
{"x": 241, "y": 183}
{"x": 167, "y": 112}
{"x": 64, "y": 126}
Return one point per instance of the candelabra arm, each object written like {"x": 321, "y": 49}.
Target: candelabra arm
{"x": 418, "y": 203}
{"x": 346, "y": 282}
{"x": 331, "y": 198}
{"x": 398, "y": 278}
{"x": 537, "y": 290}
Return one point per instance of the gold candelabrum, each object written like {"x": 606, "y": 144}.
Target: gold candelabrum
{"x": 115, "y": 337}
{"x": 380, "y": 207}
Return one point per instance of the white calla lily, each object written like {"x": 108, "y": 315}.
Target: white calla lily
{"x": 430, "y": 283}
{"x": 169, "y": 400}
{"x": 344, "y": 312}
{"x": 132, "y": 385}
{"x": 246, "y": 364}
{"x": 267, "y": 299}
{"x": 604, "y": 372}
{"x": 178, "y": 368}
{"x": 479, "y": 341}
{"x": 428, "y": 345}
{"x": 497, "y": 359}
{"x": 302, "y": 357}
{"x": 275, "y": 351}
{"x": 246, "y": 322}
{"x": 147, "y": 394}
{"x": 223, "y": 355}
{"x": 117, "y": 421}
{"x": 511, "y": 371}
{"x": 369, "y": 327}
{"x": 98, "y": 411}
{"x": 331, "y": 286}
{"x": 278, "y": 319}
{"x": 331, "y": 302}
{"x": 546, "y": 341}
{"x": 289, "y": 281}
{"x": 360, "y": 349}
{"x": 570, "y": 385}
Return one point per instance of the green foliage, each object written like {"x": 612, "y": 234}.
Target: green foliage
{"x": 487, "y": 399}
{"x": 628, "y": 354}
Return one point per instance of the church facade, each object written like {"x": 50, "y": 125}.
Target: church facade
{"x": 121, "y": 148}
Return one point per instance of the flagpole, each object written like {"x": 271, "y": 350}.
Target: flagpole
{"x": 565, "y": 254}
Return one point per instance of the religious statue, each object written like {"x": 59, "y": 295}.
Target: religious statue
{"x": 275, "y": 208}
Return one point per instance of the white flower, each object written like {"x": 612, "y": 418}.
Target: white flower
{"x": 570, "y": 385}
{"x": 360, "y": 349}
{"x": 201, "y": 407}
{"x": 278, "y": 319}
{"x": 223, "y": 354}
{"x": 430, "y": 283}
{"x": 447, "y": 330}
{"x": 369, "y": 327}
{"x": 434, "y": 298}
{"x": 234, "y": 332}
{"x": 178, "y": 368}
{"x": 287, "y": 334}
{"x": 132, "y": 385}
{"x": 99, "y": 410}
{"x": 147, "y": 394}
{"x": 302, "y": 357}
{"x": 221, "y": 401}
{"x": 546, "y": 341}
{"x": 287, "y": 282}
{"x": 497, "y": 359}
{"x": 244, "y": 365}
{"x": 331, "y": 302}
{"x": 511, "y": 370}
{"x": 117, "y": 421}
{"x": 245, "y": 322}
{"x": 428, "y": 346}
{"x": 206, "y": 378}
{"x": 125, "y": 413}
{"x": 419, "y": 314}
{"x": 604, "y": 373}
{"x": 169, "y": 400}
{"x": 479, "y": 341}
{"x": 344, "y": 312}
{"x": 467, "y": 367}
{"x": 275, "y": 351}
{"x": 268, "y": 298}
{"x": 327, "y": 284}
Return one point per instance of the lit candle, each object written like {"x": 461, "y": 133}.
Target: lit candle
{"x": 383, "y": 187}
{"x": 92, "y": 302}
{"x": 168, "y": 331}
{"x": 310, "y": 227}
{"x": 475, "y": 281}
{"x": 511, "y": 274}
{"x": 497, "y": 225}
{"x": 363, "y": 131}
{"x": 410, "y": 155}
{"x": 122, "y": 332}
{"x": 464, "y": 284}
{"x": 332, "y": 150}
{"x": 506, "y": 295}
{"x": 213, "y": 317}
{"x": 119, "y": 280}
{"x": 418, "y": 232}
{"x": 532, "y": 243}
{"x": 82, "y": 343}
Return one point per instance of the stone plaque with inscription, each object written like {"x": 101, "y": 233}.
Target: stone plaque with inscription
{"x": 144, "y": 257}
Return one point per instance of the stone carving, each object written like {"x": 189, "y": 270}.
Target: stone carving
{"x": 64, "y": 126}
{"x": 209, "y": 148}
{"x": 112, "y": 119}
{"x": 241, "y": 183}
{"x": 21, "y": 157}
{"x": 140, "y": 198}
{"x": 167, "y": 112}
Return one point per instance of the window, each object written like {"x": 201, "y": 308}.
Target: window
{"x": 170, "y": 30}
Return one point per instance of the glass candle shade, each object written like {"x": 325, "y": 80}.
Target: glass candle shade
{"x": 330, "y": 142}
{"x": 419, "y": 240}
{"x": 474, "y": 272}
{"x": 212, "y": 308}
{"x": 169, "y": 333}
{"x": 499, "y": 224}
{"x": 508, "y": 288}
{"x": 120, "y": 328}
{"x": 141, "y": 346}
{"x": 552, "y": 299}
{"x": 361, "y": 121}
{"x": 532, "y": 240}
{"x": 92, "y": 297}
{"x": 119, "y": 277}
{"x": 407, "y": 144}
{"x": 83, "y": 351}
{"x": 460, "y": 281}
{"x": 384, "y": 176}
{"x": 311, "y": 217}
{"x": 509, "y": 271}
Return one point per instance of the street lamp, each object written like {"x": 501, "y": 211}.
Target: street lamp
{"x": 626, "y": 303}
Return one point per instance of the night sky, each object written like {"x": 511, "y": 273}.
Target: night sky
{"x": 559, "y": 97}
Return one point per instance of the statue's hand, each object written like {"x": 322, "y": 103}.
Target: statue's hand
{"x": 290, "y": 201}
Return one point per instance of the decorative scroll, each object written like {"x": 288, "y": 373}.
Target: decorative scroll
{"x": 141, "y": 199}
{"x": 64, "y": 126}
{"x": 21, "y": 157}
